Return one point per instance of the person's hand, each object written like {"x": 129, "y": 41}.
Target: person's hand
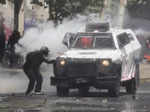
{"x": 53, "y": 61}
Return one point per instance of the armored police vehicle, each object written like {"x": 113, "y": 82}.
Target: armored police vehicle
{"x": 103, "y": 60}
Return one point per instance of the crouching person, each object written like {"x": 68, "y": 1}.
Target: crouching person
{"x": 32, "y": 69}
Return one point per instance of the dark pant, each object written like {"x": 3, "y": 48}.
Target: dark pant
{"x": 1, "y": 54}
{"x": 34, "y": 76}
{"x": 12, "y": 56}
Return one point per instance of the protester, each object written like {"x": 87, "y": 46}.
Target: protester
{"x": 2, "y": 38}
{"x": 2, "y": 43}
{"x": 32, "y": 69}
{"x": 13, "y": 40}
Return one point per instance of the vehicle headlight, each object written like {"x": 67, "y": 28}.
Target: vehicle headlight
{"x": 105, "y": 63}
{"x": 62, "y": 62}
{"x": 59, "y": 66}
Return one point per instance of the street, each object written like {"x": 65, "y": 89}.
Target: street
{"x": 45, "y": 23}
{"x": 13, "y": 83}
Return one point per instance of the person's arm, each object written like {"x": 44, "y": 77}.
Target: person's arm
{"x": 19, "y": 44}
{"x": 49, "y": 61}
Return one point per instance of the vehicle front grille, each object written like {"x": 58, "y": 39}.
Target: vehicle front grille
{"x": 81, "y": 68}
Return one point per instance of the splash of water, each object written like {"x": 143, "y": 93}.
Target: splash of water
{"x": 48, "y": 35}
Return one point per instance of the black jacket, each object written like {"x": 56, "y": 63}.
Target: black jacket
{"x": 35, "y": 59}
{"x": 13, "y": 39}
{"x": 2, "y": 40}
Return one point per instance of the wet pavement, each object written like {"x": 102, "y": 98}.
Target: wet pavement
{"x": 96, "y": 102}
{"x": 13, "y": 100}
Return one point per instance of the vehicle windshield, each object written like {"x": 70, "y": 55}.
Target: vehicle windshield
{"x": 94, "y": 42}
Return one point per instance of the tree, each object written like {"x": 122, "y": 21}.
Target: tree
{"x": 55, "y": 9}
{"x": 96, "y": 5}
{"x": 139, "y": 8}
{"x": 2, "y": 1}
{"x": 36, "y": 2}
{"x": 59, "y": 9}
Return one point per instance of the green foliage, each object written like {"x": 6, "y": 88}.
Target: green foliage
{"x": 138, "y": 2}
{"x": 37, "y": 2}
{"x": 95, "y": 5}
{"x": 2, "y": 1}
{"x": 139, "y": 8}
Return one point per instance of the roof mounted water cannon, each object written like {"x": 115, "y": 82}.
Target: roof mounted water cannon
{"x": 97, "y": 27}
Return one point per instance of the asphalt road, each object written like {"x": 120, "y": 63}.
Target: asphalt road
{"x": 13, "y": 83}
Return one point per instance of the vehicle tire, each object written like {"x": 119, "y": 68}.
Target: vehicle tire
{"x": 137, "y": 75}
{"x": 115, "y": 91}
{"x": 62, "y": 91}
{"x": 131, "y": 86}
{"x": 84, "y": 91}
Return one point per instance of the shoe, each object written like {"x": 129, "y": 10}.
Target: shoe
{"x": 39, "y": 93}
{"x": 29, "y": 94}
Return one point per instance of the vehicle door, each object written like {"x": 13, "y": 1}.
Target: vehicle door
{"x": 136, "y": 46}
{"x": 127, "y": 55}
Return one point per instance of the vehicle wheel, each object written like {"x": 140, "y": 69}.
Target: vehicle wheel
{"x": 84, "y": 91}
{"x": 115, "y": 91}
{"x": 131, "y": 86}
{"x": 137, "y": 75}
{"x": 62, "y": 91}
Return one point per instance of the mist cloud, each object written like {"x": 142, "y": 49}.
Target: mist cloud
{"x": 48, "y": 35}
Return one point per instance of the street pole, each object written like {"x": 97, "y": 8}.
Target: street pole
{"x": 21, "y": 19}
{"x": 17, "y": 7}
{"x": 122, "y": 9}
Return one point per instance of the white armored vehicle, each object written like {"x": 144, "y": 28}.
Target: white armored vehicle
{"x": 103, "y": 60}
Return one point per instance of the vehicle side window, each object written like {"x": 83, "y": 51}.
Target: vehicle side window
{"x": 130, "y": 36}
{"x": 123, "y": 39}
{"x": 68, "y": 39}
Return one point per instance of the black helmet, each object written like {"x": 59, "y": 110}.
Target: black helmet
{"x": 44, "y": 50}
